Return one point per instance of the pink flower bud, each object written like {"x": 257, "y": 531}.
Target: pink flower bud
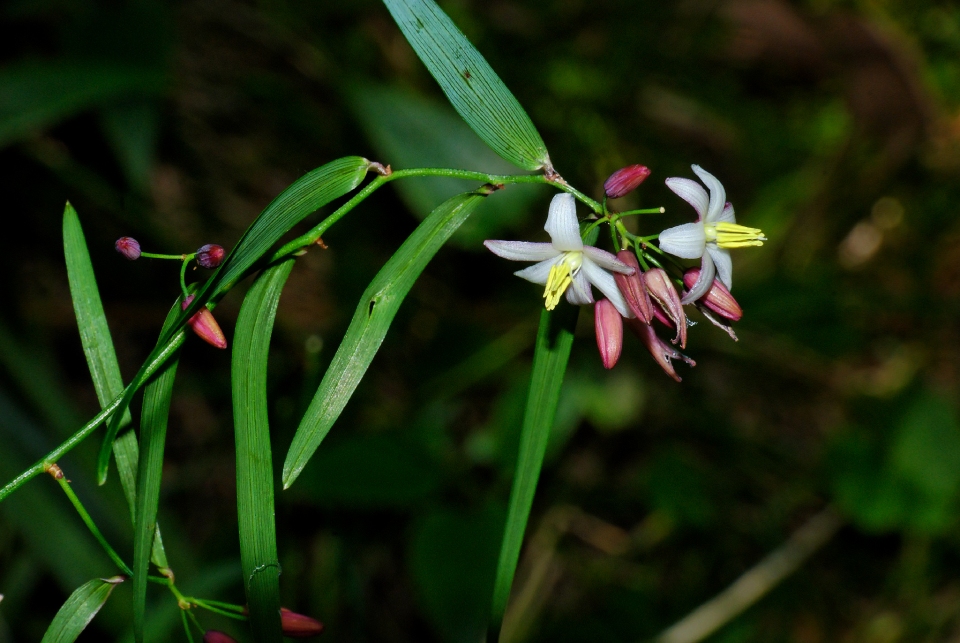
{"x": 718, "y": 298}
{"x": 661, "y": 351}
{"x": 625, "y": 180}
{"x": 631, "y": 287}
{"x": 662, "y": 291}
{"x": 299, "y": 626}
{"x": 210, "y": 255}
{"x": 128, "y": 247}
{"x": 213, "y": 636}
{"x": 205, "y": 326}
{"x": 609, "y": 327}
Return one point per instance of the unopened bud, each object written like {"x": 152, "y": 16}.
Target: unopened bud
{"x": 625, "y": 180}
{"x": 662, "y": 291}
{"x": 299, "y": 626}
{"x": 205, "y": 326}
{"x": 609, "y": 327}
{"x": 210, "y": 255}
{"x": 213, "y": 636}
{"x": 128, "y": 247}
{"x": 661, "y": 351}
{"x": 631, "y": 287}
{"x": 718, "y": 298}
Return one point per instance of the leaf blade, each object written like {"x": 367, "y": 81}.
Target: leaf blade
{"x": 78, "y": 610}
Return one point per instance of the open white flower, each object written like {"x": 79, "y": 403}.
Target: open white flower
{"x": 565, "y": 265}
{"x": 709, "y": 238}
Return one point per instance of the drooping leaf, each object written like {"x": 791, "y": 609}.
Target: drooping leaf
{"x": 378, "y": 305}
{"x": 79, "y": 610}
{"x": 258, "y": 538}
{"x": 471, "y": 85}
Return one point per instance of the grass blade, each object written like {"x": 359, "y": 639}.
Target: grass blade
{"x": 554, "y": 340}
{"x": 258, "y": 538}
{"x": 79, "y": 610}
{"x": 471, "y": 85}
{"x": 370, "y": 323}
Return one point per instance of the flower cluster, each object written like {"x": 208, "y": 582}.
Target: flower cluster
{"x": 642, "y": 282}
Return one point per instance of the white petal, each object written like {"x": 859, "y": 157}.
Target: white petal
{"x": 718, "y": 196}
{"x": 562, "y": 223}
{"x": 606, "y": 284}
{"x": 685, "y": 241}
{"x": 707, "y": 272}
{"x": 727, "y": 214}
{"x": 724, "y": 264}
{"x": 579, "y": 293}
{"x": 538, "y": 272}
{"x": 522, "y": 250}
{"x": 691, "y": 192}
{"x": 606, "y": 260}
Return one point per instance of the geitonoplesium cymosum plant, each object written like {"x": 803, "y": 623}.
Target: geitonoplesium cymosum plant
{"x": 641, "y": 280}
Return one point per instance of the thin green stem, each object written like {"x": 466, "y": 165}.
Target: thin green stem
{"x": 154, "y": 255}
{"x": 183, "y": 278}
{"x": 227, "y": 606}
{"x": 88, "y": 521}
{"x": 193, "y": 618}
{"x": 186, "y": 625}
{"x": 216, "y": 610}
{"x": 630, "y": 213}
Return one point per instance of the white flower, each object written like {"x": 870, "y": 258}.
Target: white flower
{"x": 565, "y": 264}
{"x": 716, "y": 230}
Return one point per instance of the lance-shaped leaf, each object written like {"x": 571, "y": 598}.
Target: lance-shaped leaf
{"x": 307, "y": 194}
{"x": 79, "y": 610}
{"x": 471, "y": 85}
{"x": 370, "y": 323}
{"x": 258, "y": 538}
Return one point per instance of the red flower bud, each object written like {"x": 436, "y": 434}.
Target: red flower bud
{"x": 609, "y": 327}
{"x": 625, "y": 180}
{"x": 213, "y": 636}
{"x": 662, "y": 291}
{"x": 718, "y": 298}
{"x": 210, "y": 255}
{"x": 205, "y": 326}
{"x": 631, "y": 287}
{"x": 299, "y": 626}
{"x": 128, "y": 247}
{"x": 661, "y": 351}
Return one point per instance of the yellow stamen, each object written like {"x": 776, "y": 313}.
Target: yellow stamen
{"x": 733, "y": 235}
{"x": 560, "y": 277}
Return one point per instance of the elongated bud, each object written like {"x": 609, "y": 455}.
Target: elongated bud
{"x": 632, "y": 289}
{"x": 205, "y": 326}
{"x": 299, "y": 626}
{"x": 661, "y": 351}
{"x": 625, "y": 180}
{"x": 213, "y": 636}
{"x": 609, "y": 327}
{"x": 210, "y": 255}
{"x": 662, "y": 291}
{"x": 128, "y": 247}
{"x": 718, "y": 298}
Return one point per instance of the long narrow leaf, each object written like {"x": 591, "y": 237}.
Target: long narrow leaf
{"x": 147, "y": 544}
{"x": 258, "y": 538}
{"x": 554, "y": 339}
{"x": 79, "y": 610}
{"x": 369, "y": 326}
{"x": 307, "y": 194}
{"x": 471, "y": 85}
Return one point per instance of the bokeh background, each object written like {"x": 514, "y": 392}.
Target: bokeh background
{"x": 835, "y": 127}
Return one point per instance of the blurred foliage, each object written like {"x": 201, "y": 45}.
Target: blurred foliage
{"x": 835, "y": 127}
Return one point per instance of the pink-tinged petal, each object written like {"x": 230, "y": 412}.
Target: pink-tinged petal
{"x": 608, "y": 325}
{"x": 661, "y": 351}
{"x": 632, "y": 288}
{"x": 723, "y": 262}
{"x": 607, "y": 261}
{"x": 299, "y": 626}
{"x": 625, "y": 180}
{"x": 691, "y": 192}
{"x": 205, "y": 326}
{"x": 522, "y": 250}
{"x": 606, "y": 284}
{"x": 707, "y": 273}
{"x": 663, "y": 292}
{"x": 727, "y": 214}
{"x": 562, "y": 223}
{"x": 538, "y": 272}
{"x": 686, "y": 241}
{"x": 579, "y": 293}
{"x": 718, "y": 196}
{"x": 718, "y": 298}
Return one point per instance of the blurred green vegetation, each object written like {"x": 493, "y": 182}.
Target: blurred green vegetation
{"x": 835, "y": 127}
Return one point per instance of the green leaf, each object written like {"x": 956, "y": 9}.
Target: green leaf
{"x": 378, "y": 305}
{"x": 79, "y": 610}
{"x": 554, "y": 340}
{"x": 471, "y": 85}
{"x": 147, "y": 544}
{"x": 307, "y": 194}
{"x": 258, "y": 538}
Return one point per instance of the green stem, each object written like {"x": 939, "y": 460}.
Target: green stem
{"x": 186, "y": 625}
{"x": 88, "y": 521}
{"x": 216, "y": 610}
{"x": 183, "y": 278}
{"x": 629, "y": 213}
{"x": 154, "y": 255}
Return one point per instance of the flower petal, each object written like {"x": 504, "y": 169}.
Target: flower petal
{"x": 606, "y": 260}
{"x": 606, "y": 284}
{"x": 724, "y": 264}
{"x": 691, "y": 192}
{"x": 579, "y": 293}
{"x": 562, "y": 223}
{"x": 538, "y": 272}
{"x": 727, "y": 214}
{"x": 718, "y": 196}
{"x": 686, "y": 241}
{"x": 707, "y": 272}
{"x": 522, "y": 250}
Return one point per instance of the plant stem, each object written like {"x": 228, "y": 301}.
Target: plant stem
{"x": 154, "y": 255}
{"x": 88, "y": 521}
{"x": 183, "y": 278}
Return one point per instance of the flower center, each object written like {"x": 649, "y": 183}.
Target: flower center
{"x": 560, "y": 277}
{"x": 733, "y": 235}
